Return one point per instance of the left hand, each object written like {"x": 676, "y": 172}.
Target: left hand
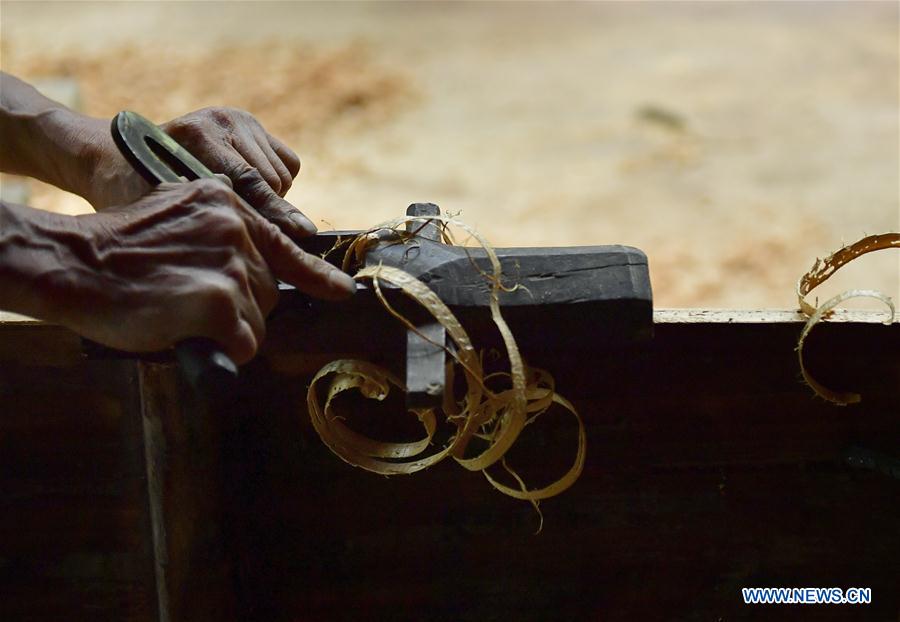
{"x": 228, "y": 141}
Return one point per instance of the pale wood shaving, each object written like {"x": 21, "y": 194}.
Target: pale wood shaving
{"x": 495, "y": 417}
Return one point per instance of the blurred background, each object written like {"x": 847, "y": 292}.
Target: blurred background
{"x": 734, "y": 142}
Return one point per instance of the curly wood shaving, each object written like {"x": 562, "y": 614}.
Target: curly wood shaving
{"x": 495, "y": 417}
{"x": 820, "y": 272}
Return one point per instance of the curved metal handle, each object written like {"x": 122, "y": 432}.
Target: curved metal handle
{"x": 154, "y": 154}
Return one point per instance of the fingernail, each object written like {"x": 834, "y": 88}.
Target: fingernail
{"x": 342, "y": 280}
{"x": 302, "y": 222}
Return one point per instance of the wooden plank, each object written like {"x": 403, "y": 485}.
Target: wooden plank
{"x": 74, "y": 530}
{"x": 182, "y": 441}
{"x": 710, "y": 467}
{"x": 682, "y": 315}
{"x": 760, "y": 316}
{"x": 25, "y": 342}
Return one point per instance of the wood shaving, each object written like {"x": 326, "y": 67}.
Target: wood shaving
{"x": 820, "y": 272}
{"x": 495, "y": 417}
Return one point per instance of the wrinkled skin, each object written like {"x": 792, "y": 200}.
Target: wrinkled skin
{"x": 186, "y": 260}
{"x": 153, "y": 267}
{"x": 228, "y": 141}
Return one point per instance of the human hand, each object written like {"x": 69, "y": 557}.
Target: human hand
{"x": 186, "y": 260}
{"x": 46, "y": 140}
{"x": 261, "y": 168}
{"x": 228, "y": 141}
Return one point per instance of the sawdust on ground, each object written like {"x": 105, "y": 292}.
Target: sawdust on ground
{"x": 733, "y": 142}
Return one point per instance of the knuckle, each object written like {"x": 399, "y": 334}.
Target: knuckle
{"x": 230, "y": 227}
{"x": 237, "y": 113}
{"x": 303, "y": 257}
{"x": 272, "y": 230}
{"x": 274, "y": 215}
{"x": 221, "y": 115}
{"x": 190, "y": 129}
{"x": 248, "y": 176}
{"x": 236, "y": 272}
{"x": 229, "y": 218}
{"x": 220, "y": 303}
{"x": 212, "y": 190}
{"x": 283, "y": 177}
{"x": 268, "y": 295}
{"x": 274, "y": 181}
{"x": 302, "y": 260}
{"x": 224, "y": 294}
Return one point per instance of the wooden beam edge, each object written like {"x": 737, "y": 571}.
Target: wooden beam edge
{"x": 763, "y": 316}
{"x": 661, "y": 316}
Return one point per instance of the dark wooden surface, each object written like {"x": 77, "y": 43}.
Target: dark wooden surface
{"x": 182, "y": 438}
{"x": 710, "y": 467}
{"x": 74, "y": 530}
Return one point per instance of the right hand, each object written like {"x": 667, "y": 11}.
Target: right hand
{"x": 186, "y": 260}
{"x": 230, "y": 142}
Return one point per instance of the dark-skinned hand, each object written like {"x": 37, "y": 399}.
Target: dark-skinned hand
{"x": 228, "y": 141}
{"x": 185, "y": 260}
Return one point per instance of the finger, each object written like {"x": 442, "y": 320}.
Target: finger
{"x": 251, "y": 186}
{"x": 251, "y": 314}
{"x": 245, "y": 298}
{"x": 262, "y": 140}
{"x": 265, "y": 289}
{"x": 261, "y": 281}
{"x": 288, "y": 262}
{"x": 241, "y": 344}
{"x": 286, "y": 154}
{"x": 225, "y": 315}
{"x": 223, "y": 321}
{"x": 251, "y": 150}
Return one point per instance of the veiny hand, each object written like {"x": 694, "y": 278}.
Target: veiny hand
{"x": 186, "y": 260}
{"x": 228, "y": 141}
{"x": 44, "y": 139}
{"x": 261, "y": 167}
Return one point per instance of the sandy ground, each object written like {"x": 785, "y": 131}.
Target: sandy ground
{"x": 733, "y": 142}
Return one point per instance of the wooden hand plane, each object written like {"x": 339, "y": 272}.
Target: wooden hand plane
{"x": 560, "y": 293}
{"x": 555, "y": 297}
